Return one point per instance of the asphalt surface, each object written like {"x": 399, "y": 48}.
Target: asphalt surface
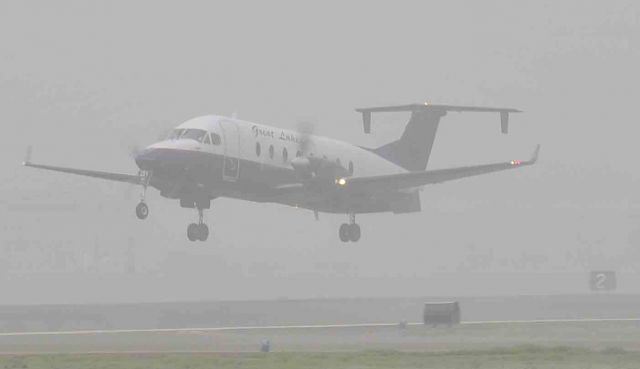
{"x": 593, "y": 321}
{"x": 308, "y": 312}
{"x": 592, "y": 334}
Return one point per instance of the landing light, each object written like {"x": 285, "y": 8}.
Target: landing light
{"x": 515, "y": 162}
{"x": 341, "y": 182}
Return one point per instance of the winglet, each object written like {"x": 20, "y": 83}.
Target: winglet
{"x": 27, "y": 157}
{"x": 534, "y": 157}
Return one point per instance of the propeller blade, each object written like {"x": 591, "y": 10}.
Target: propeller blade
{"x": 305, "y": 131}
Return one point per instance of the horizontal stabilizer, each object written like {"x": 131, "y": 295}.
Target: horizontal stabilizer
{"x": 425, "y": 106}
{"x": 441, "y": 109}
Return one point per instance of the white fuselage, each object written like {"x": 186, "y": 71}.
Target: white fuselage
{"x": 214, "y": 156}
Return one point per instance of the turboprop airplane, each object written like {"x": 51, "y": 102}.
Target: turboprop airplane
{"x": 213, "y": 156}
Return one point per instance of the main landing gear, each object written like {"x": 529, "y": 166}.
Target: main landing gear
{"x": 198, "y": 231}
{"x": 350, "y": 231}
{"x": 142, "y": 210}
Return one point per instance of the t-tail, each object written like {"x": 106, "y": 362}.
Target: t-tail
{"x": 413, "y": 149}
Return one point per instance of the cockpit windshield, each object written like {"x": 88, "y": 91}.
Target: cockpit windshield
{"x": 175, "y": 134}
{"x": 189, "y": 133}
{"x": 194, "y": 134}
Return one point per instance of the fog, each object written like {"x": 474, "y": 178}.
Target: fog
{"x": 85, "y": 83}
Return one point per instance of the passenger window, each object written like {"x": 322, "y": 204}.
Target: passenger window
{"x": 215, "y": 139}
{"x": 271, "y": 152}
{"x": 285, "y": 155}
{"x": 258, "y": 149}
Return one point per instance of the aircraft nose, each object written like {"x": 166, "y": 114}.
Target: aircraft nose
{"x": 147, "y": 158}
{"x": 156, "y": 158}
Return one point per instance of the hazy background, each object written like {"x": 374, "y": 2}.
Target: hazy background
{"x": 86, "y": 82}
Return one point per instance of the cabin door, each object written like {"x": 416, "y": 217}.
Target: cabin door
{"x": 231, "y": 141}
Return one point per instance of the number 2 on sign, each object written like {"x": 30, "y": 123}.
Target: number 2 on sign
{"x": 600, "y": 279}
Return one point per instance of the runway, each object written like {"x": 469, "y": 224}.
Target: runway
{"x": 596, "y": 334}
{"x": 172, "y": 315}
{"x": 304, "y": 327}
{"x": 583, "y": 321}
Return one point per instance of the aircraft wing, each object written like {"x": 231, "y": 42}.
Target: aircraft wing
{"x": 119, "y": 177}
{"x": 421, "y": 178}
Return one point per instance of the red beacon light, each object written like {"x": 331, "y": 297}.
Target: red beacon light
{"x": 515, "y": 162}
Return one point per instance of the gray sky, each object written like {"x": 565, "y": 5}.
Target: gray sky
{"x": 85, "y": 82}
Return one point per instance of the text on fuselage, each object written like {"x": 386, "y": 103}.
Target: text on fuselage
{"x": 266, "y": 132}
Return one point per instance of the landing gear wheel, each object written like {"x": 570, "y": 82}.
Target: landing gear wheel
{"x": 142, "y": 211}
{"x": 354, "y": 232}
{"x": 198, "y": 231}
{"x": 343, "y": 232}
{"x": 193, "y": 233}
{"x": 203, "y": 232}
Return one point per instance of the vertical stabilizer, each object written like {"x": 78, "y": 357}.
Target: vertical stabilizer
{"x": 413, "y": 149}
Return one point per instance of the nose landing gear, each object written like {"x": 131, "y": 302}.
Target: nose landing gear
{"x": 198, "y": 231}
{"x": 142, "y": 210}
{"x": 350, "y": 231}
